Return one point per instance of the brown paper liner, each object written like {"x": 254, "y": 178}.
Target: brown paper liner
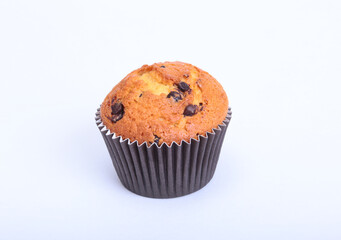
{"x": 165, "y": 171}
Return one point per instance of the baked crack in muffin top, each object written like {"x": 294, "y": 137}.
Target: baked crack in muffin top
{"x": 164, "y": 103}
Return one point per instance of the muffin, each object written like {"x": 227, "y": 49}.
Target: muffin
{"x": 164, "y": 126}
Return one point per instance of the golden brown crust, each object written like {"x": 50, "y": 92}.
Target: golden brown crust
{"x": 147, "y": 113}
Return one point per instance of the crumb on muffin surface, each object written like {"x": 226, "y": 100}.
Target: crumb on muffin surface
{"x": 165, "y": 102}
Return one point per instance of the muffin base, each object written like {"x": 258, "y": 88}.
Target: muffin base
{"x": 165, "y": 171}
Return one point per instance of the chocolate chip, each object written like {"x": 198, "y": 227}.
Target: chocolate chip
{"x": 201, "y": 106}
{"x": 191, "y": 110}
{"x": 156, "y": 139}
{"x": 183, "y": 86}
{"x": 140, "y": 95}
{"x": 174, "y": 94}
{"x": 162, "y": 66}
{"x": 186, "y": 75}
{"x": 117, "y": 108}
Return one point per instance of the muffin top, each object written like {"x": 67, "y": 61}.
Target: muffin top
{"x": 164, "y": 103}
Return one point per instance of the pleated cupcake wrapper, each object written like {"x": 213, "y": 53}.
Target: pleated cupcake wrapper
{"x": 165, "y": 171}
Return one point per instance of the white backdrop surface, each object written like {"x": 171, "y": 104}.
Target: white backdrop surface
{"x": 279, "y": 172}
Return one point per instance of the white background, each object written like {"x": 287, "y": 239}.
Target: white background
{"x": 279, "y": 175}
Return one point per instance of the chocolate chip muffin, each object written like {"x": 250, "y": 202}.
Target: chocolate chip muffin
{"x": 164, "y": 126}
{"x": 164, "y": 103}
